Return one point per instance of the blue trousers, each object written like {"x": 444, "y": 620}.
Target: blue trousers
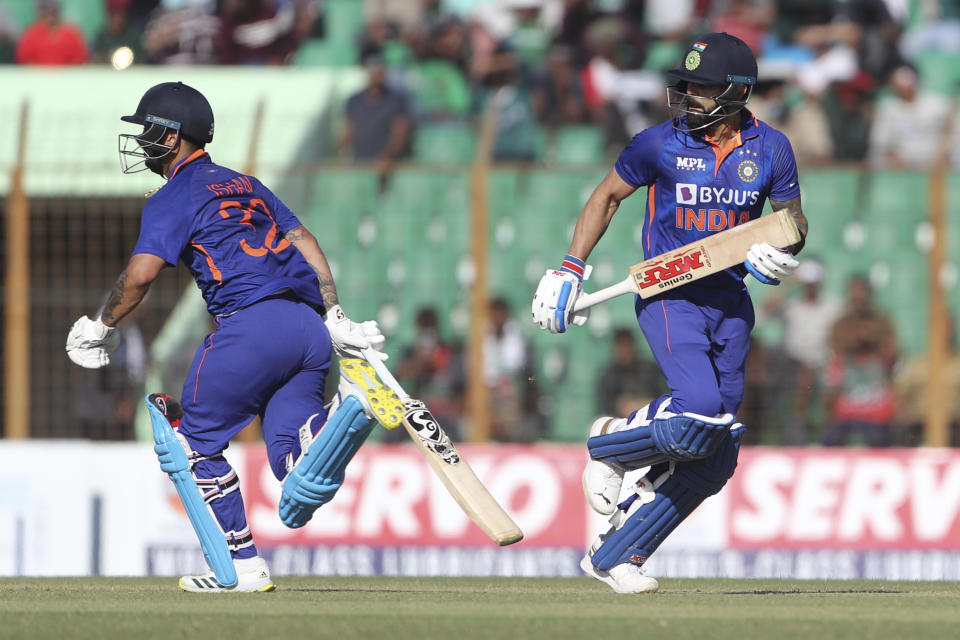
{"x": 699, "y": 337}
{"x": 269, "y": 360}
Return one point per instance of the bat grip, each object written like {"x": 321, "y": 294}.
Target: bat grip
{"x": 623, "y": 287}
{"x": 373, "y": 359}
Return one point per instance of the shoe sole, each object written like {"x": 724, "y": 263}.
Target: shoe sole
{"x": 262, "y": 589}
{"x": 587, "y": 566}
{"x": 386, "y": 405}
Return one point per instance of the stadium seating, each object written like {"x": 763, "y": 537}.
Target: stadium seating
{"x": 446, "y": 142}
{"x": 576, "y": 144}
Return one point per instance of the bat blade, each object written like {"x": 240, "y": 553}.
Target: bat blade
{"x": 457, "y": 476}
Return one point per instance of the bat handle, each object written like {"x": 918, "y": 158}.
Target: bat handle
{"x": 373, "y": 358}
{"x": 623, "y": 287}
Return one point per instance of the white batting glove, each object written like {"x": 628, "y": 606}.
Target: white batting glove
{"x": 90, "y": 342}
{"x": 770, "y": 264}
{"x": 350, "y": 338}
{"x": 552, "y": 307}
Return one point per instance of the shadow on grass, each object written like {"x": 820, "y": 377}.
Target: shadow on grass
{"x": 787, "y": 592}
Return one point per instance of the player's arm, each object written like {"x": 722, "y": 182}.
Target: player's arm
{"x": 90, "y": 341}
{"x": 796, "y": 212}
{"x": 558, "y": 290}
{"x": 349, "y": 338}
{"x": 309, "y": 248}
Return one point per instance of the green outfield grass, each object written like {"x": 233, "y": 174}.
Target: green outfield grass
{"x": 466, "y": 608}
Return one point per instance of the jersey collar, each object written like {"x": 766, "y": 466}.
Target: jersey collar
{"x": 196, "y": 155}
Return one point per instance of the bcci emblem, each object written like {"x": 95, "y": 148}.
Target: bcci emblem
{"x": 748, "y": 171}
{"x": 692, "y": 61}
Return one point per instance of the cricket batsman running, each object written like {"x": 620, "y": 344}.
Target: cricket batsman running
{"x": 268, "y": 287}
{"x": 709, "y": 168}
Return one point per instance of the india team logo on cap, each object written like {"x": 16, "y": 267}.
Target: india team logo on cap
{"x": 748, "y": 171}
{"x": 692, "y": 61}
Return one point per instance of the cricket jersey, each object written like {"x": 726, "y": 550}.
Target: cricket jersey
{"x": 228, "y": 229}
{"x": 697, "y": 188}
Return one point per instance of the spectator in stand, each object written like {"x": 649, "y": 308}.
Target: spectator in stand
{"x": 117, "y": 32}
{"x": 49, "y": 40}
{"x": 258, "y": 32}
{"x": 438, "y": 80}
{"x": 508, "y": 370}
{"x": 628, "y": 381}
{"x": 433, "y": 371}
{"x": 9, "y": 35}
{"x": 556, "y": 95}
{"x": 800, "y": 118}
{"x": 849, "y": 108}
{"x": 378, "y": 122}
{"x": 909, "y": 126}
{"x": 749, "y": 20}
{"x": 807, "y": 321}
{"x": 912, "y": 384}
{"x": 182, "y": 32}
{"x": 859, "y": 375}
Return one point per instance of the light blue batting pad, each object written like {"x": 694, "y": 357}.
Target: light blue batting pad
{"x": 319, "y": 474}
{"x": 173, "y": 460}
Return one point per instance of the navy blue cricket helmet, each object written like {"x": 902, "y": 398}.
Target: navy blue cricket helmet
{"x": 714, "y": 59}
{"x": 166, "y": 107}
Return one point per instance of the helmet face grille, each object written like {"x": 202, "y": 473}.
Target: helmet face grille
{"x": 142, "y": 151}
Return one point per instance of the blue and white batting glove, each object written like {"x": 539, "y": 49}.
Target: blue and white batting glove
{"x": 770, "y": 264}
{"x": 556, "y": 294}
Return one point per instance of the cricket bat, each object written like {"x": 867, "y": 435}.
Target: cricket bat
{"x": 698, "y": 259}
{"x": 443, "y": 457}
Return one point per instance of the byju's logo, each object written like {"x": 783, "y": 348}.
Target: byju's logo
{"x": 686, "y": 193}
{"x": 691, "y": 164}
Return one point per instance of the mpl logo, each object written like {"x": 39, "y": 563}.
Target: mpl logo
{"x": 671, "y": 271}
{"x": 691, "y": 164}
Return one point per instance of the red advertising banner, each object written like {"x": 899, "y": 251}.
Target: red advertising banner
{"x": 390, "y": 497}
{"x": 845, "y": 499}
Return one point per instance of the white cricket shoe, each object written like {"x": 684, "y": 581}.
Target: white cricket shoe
{"x": 602, "y": 481}
{"x": 252, "y": 576}
{"x": 623, "y": 578}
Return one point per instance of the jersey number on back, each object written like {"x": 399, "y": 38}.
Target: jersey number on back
{"x": 256, "y": 205}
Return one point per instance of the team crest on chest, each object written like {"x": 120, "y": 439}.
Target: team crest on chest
{"x": 748, "y": 170}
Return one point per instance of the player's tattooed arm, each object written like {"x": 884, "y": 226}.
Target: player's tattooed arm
{"x": 130, "y": 288}
{"x": 796, "y": 212}
{"x": 308, "y": 247}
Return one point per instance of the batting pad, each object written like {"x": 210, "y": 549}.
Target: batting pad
{"x": 319, "y": 473}
{"x": 671, "y": 438}
{"x": 174, "y": 461}
{"x": 689, "y": 484}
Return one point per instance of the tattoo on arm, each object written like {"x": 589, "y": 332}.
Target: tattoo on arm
{"x": 328, "y": 290}
{"x": 114, "y": 300}
{"x": 796, "y": 212}
{"x": 294, "y": 234}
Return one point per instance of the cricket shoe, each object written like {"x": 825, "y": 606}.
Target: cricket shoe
{"x": 357, "y": 378}
{"x": 623, "y": 578}
{"x": 602, "y": 481}
{"x": 252, "y": 576}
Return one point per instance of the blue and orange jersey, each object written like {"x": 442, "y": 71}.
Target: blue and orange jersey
{"x": 228, "y": 229}
{"x": 698, "y": 188}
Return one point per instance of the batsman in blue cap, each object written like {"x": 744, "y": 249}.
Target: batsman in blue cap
{"x": 711, "y": 167}
{"x": 268, "y": 286}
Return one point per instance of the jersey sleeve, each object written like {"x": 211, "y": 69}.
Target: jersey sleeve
{"x": 637, "y": 164}
{"x": 165, "y": 229}
{"x": 785, "y": 185}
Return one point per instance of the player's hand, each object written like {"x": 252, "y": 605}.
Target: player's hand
{"x": 770, "y": 264}
{"x": 90, "y": 342}
{"x": 552, "y": 307}
{"x": 351, "y": 338}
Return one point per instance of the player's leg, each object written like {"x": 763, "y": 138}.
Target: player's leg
{"x": 663, "y": 498}
{"x": 209, "y": 489}
{"x": 362, "y": 400}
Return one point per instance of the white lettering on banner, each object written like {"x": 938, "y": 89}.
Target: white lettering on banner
{"x": 875, "y": 491}
{"x": 815, "y": 498}
{"x": 934, "y": 507}
{"x": 391, "y": 490}
{"x": 543, "y": 488}
{"x": 764, "y": 480}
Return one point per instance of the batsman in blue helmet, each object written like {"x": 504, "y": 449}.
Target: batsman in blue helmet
{"x": 709, "y": 168}
{"x": 268, "y": 286}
